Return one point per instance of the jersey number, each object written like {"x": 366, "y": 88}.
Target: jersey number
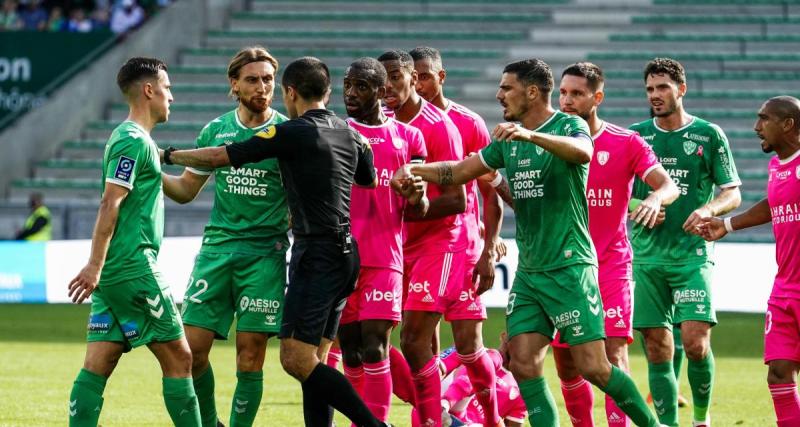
{"x": 202, "y": 284}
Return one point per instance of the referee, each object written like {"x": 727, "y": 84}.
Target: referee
{"x": 320, "y": 158}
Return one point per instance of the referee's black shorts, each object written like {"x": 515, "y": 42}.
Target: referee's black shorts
{"x": 321, "y": 277}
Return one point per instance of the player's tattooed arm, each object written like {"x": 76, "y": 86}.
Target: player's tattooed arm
{"x": 445, "y": 171}
{"x": 504, "y": 191}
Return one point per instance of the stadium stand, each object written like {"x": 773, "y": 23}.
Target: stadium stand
{"x": 737, "y": 54}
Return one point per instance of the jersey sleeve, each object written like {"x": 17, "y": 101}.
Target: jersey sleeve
{"x": 274, "y": 141}
{"x": 126, "y": 158}
{"x": 416, "y": 146}
{"x": 576, "y": 127}
{"x": 643, "y": 159}
{"x": 203, "y": 140}
{"x": 365, "y": 168}
{"x": 492, "y": 156}
{"x": 723, "y": 170}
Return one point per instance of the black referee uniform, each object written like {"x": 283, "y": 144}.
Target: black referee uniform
{"x": 320, "y": 158}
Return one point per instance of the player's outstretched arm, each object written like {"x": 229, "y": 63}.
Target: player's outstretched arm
{"x": 714, "y": 228}
{"x": 207, "y": 158}
{"x": 183, "y": 189}
{"x": 573, "y": 149}
{"x": 448, "y": 173}
{"x": 664, "y": 193}
{"x": 728, "y": 199}
{"x": 85, "y": 282}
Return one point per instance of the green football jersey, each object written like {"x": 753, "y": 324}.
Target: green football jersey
{"x": 131, "y": 161}
{"x": 550, "y": 206}
{"x": 697, "y": 157}
{"x": 250, "y": 214}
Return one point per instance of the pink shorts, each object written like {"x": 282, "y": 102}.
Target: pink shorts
{"x": 782, "y": 330}
{"x": 377, "y": 296}
{"x": 463, "y": 303}
{"x": 617, "y": 299}
{"x": 431, "y": 281}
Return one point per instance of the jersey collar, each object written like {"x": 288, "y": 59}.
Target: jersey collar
{"x": 547, "y": 122}
{"x": 691, "y": 122}
{"x": 789, "y": 159}
{"x": 600, "y": 132}
{"x": 239, "y": 122}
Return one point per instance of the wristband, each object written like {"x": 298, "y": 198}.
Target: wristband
{"x": 167, "y": 153}
{"x": 728, "y": 225}
{"x": 497, "y": 180}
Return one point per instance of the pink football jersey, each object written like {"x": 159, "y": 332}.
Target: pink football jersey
{"x": 619, "y": 156}
{"x": 474, "y": 137}
{"x": 443, "y": 143}
{"x": 376, "y": 215}
{"x": 783, "y": 194}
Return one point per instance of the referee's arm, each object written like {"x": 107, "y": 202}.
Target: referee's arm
{"x": 365, "y": 175}
{"x": 271, "y": 142}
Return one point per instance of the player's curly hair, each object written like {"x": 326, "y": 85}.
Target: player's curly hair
{"x": 667, "y": 66}
{"x": 401, "y": 56}
{"x": 591, "y": 72}
{"x": 136, "y": 69}
{"x": 246, "y": 56}
{"x": 532, "y": 71}
{"x": 372, "y": 70}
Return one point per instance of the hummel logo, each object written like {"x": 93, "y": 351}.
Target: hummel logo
{"x": 592, "y": 299}
{"x": 155, "y": 304}
{"x": 658, "y": 402}
{"x": 427, "y": 298}
{"x": 536, "y": 410}
{"x": 704, "y": 388}
{"x": 72, "y": 404}
{"x": 183, "y": 411}
{"x": 595, "y": 309}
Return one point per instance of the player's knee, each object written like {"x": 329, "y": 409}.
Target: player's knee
{"x": 696, "y": 349}
{"x": 102, "y": 365}
{"x": 375, "y": 352}
{"x": 199, "y": 361}
{"x": 779, "y": 374}
{"x": 523, "y": 370}
{"x": 597, "y": 373}
{"x": 658, "y": 350}
{"x": 351, "y": 357}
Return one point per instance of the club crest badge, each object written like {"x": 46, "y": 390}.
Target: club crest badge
{"x": 602, "y": 157}
{"x": 689, "y": 147}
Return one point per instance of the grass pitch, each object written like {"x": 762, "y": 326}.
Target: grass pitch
{"x": 42, "y": 348}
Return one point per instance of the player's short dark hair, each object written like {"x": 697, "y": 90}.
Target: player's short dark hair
{"x": 426, "y": 52}
{"x": 309, "y": 76}
{"x": 401, "y": 56}
{"x": 372, "y": 70}
{"x": 786, "y": 107}
{"x": 667, "y": 66}
{"x": 532, "y": 71}
{"x": 137, "y": 69}
{"x": 591, "y": 72}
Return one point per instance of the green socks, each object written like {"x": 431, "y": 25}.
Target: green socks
{"x": 622, "y": 389}
{"x": 539, "y": 401}
{"x": 86, "y": 399}
{"x": 701, "y": 379}
{"x": 665, "y": 392}
{"x": 246, "y": 398}
{"x": 204, "y": 387}
{"x": 677, "y": 358}
{"x": 181, "y": 401}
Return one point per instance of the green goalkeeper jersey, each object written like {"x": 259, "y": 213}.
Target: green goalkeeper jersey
{"x": 131, "y": 160}
{"x": 697, "y": 157}
{"x": 250, "y": 215}
{"x": 552, "y": 214}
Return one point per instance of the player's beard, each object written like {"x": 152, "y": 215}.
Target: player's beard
{"x": 254, "y": 106}
{"x": 667, "y": 109}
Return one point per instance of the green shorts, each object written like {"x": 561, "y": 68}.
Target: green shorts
{"x": 222, "y": 284}
{"x": 666, "y": 295}
{"x": 566, "y": 299}
{"x": 134, "y": 312}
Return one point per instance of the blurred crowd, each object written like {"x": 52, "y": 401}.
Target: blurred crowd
{"x": 118, "y": 16}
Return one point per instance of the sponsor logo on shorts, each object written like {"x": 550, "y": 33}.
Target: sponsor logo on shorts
{"x": 378, "y": 296}
{"x": 473, "y": 307}
{"x": 270, "y": 319}
{"x": 621, "y": 324}
{"x": 577, "y": 330}
{"x": 419, "y": 288}
{"x": 567, "y": 318}
{"x": 614, "y": 312}
{"x": 131, "y": 330}
{"x": 689, "y": 296}
{"x": 259, "y": 305}
{"x": 701, "y": 309}
{"x": 466, "y": 296}
{"x": 99, "y": 323}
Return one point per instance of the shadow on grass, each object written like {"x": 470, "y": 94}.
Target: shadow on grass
{"x": 736, "y": 335}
